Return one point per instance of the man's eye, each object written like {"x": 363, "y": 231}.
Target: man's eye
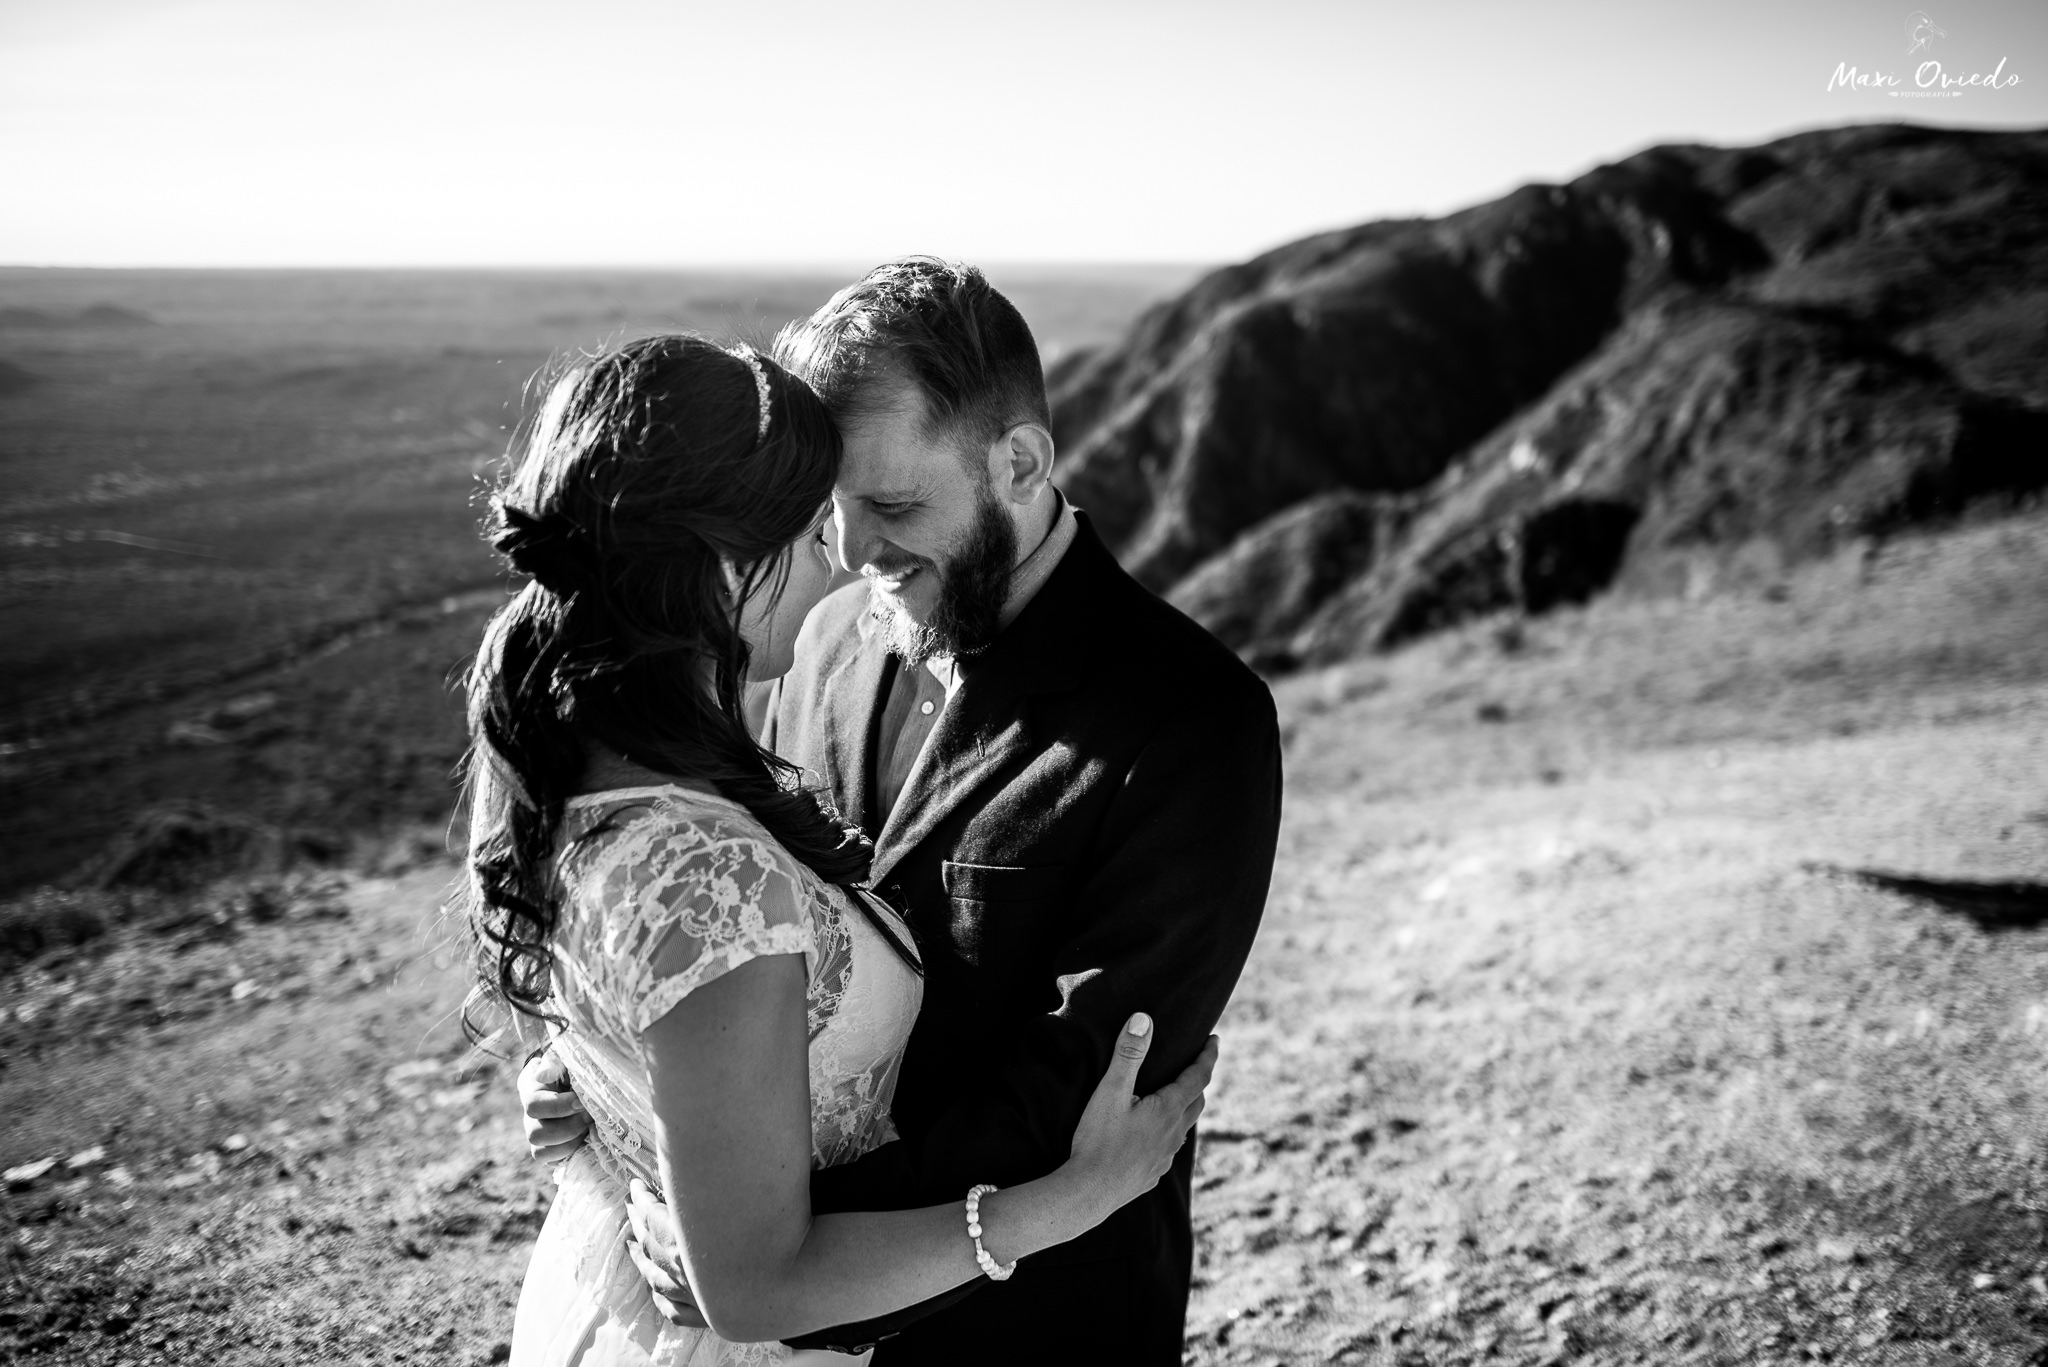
{"x": 890, "y": 509}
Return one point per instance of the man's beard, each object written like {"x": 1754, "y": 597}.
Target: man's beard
{"x": 974, "y": 583}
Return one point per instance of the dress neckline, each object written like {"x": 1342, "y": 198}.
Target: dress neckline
{"x": 605, "y": 795}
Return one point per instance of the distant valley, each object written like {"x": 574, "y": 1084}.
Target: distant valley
{"x": 226, "y": 486}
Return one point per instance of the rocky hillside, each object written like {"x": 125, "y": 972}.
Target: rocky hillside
{"x": 1694, "y": 357}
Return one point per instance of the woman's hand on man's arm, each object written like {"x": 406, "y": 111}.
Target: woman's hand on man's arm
{"x": 1122, "y": 1147}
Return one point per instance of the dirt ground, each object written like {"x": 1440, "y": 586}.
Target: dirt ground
{"x": 1566, "y": 1039}
{"x": 301, "y": 1159}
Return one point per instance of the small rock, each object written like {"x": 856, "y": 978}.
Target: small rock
{"x": 1837, "y": 1250}
{"x": 194, "y": 733}
{"x": 1433, "y": 1272}
{"x": 86, "y": 1158}
{"x": 238, "y": 710}
{"x": 1983, "y": 1281}
{"x": 244, "y": 990}
{"x": 234, "y": 1143}
{"x": 28, "y": 1173}
{"x": 119, "y": 1177}
{"x": 452, "y": 1175}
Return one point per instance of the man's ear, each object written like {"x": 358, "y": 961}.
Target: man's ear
{"x": 1023, "y": 462}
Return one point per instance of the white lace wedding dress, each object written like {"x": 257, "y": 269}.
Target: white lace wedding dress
{"x": 665, "y": 889}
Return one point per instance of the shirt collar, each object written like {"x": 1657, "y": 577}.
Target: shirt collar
{"x": 1032, "y": 572}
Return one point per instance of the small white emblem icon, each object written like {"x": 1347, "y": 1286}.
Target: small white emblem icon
{"x": 1920, "y": 31}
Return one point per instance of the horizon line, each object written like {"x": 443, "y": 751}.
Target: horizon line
{"x": 802, "y": 266}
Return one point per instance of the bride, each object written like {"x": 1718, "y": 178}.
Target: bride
{"x": 683, "y": 920}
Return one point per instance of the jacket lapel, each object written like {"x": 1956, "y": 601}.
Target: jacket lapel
{"x": 986, "y": 724}
{"x": 964, "y": 750}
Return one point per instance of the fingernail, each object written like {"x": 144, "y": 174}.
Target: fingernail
{"x": 1141, "y": 1025}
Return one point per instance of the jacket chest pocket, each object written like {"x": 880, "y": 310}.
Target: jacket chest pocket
{"x": 999, "y": 910}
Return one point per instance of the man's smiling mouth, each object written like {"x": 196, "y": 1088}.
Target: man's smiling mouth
{"x": 893, "y": 581}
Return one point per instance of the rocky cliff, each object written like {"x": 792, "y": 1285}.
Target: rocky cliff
{"x": 1377, "y": 432}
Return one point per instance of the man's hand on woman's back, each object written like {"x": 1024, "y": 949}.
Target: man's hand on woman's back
{"x": 555, "y": 1120}
{"x": 556, "y": 1124}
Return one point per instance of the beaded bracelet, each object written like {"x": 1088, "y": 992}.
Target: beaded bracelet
{"x": 996, "y": 1271}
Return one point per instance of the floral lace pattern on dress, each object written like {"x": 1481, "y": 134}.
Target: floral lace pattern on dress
{"x": 663, "y": 891}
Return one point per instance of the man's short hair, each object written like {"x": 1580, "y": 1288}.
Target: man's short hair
{"x": 937, "y": 324}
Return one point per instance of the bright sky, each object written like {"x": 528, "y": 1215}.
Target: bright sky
{"x": 673, "y": 133}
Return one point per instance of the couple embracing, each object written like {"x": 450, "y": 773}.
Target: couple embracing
{"x": 875, "y": 1026}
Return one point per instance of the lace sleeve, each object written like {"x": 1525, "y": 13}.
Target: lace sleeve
{"x": 683, "y": 905}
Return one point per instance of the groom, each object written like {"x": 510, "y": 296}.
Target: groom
{"x": 1073, "y": 790}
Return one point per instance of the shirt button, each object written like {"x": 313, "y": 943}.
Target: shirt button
{"x": 926, "y": 707}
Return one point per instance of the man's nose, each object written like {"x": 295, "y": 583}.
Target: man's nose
{"x": 853, "y": 535}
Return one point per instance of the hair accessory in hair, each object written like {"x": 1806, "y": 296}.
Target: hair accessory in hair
{"x": 546, "y": 548}
{"x": 753, "y": 363}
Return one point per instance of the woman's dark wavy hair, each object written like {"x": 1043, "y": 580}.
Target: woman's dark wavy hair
{"x": 642, "y": 474}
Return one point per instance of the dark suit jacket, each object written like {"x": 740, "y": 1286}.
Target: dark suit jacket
{"x": 1089, "y": 832}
